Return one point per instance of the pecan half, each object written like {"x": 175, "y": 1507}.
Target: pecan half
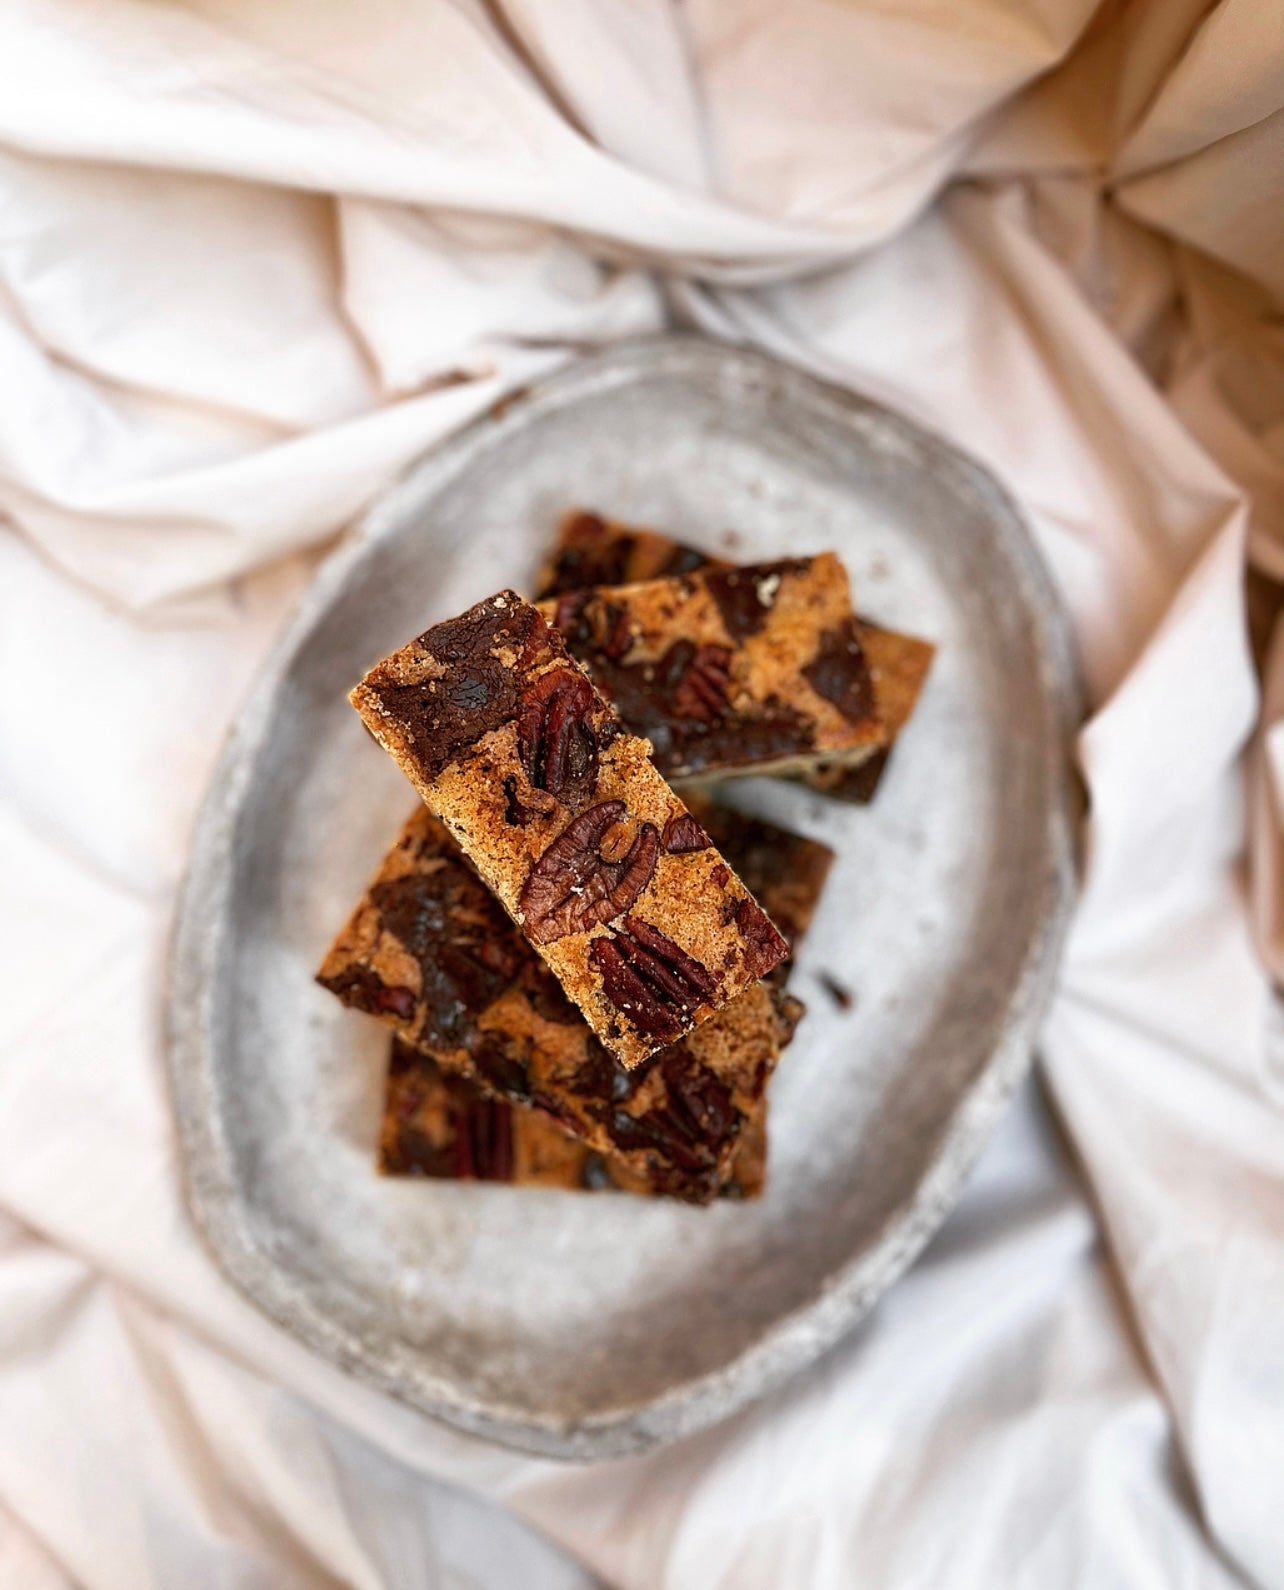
{"x": 590, "y": 624}
{"x": 555, "y": 738}
{"x": 568, "y": 616}
{"x": 659, "y": 1132}
{"x": 701, "y": 689}
{"x": 615, "y": 630}
{"x": 690, "y": 1126}
{"x": 572, "y": 887}
{"x": 764, "y": 947}
{"x": 484, "y": 1140}
{"x": 644, "y": 974}
{"x": 697, "y": 1097}
{"x": 682, "y": 834}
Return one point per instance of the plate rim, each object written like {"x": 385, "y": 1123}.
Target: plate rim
{"x": 797, "y": 1338}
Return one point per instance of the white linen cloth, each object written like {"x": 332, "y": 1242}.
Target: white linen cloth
{"x": 253, "y": 259}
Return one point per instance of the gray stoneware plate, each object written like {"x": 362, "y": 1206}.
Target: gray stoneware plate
{"x": 587, "y": 1326}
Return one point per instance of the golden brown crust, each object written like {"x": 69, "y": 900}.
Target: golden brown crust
{"x": 563, "y": 815}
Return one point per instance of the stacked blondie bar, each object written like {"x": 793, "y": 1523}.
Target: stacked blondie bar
{"x": 581, "y": 952}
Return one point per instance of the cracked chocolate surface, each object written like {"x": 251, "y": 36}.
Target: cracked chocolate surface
{"x": 592, "y": 551}
{"x": 457, "y": 682}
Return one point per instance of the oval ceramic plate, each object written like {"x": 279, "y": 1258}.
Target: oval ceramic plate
{"x": 592, "y": 1325}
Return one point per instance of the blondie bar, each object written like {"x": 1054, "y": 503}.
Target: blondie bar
{"x": 566, "y": 820}
{"x": 593, "y": 551}
{"x": 729, "y": 671}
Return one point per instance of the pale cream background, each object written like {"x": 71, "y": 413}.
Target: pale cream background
{"x": 254, "y": 258}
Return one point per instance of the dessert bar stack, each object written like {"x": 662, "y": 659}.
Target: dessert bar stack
{"x": 581, "y": 953}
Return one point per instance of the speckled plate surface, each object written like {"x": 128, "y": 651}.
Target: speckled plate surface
{"x": 588, "y": 1326}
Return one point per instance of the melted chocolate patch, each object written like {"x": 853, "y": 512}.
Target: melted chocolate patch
{"x": 590, "y": 554}
{"x": 501, "y": 1066}
{"x": 860, "y": 784}
{"x": 840, "y": 672}
{"x": 467, "y": 951}
{"x": 746, "y": 596}
{"x": 477, "y": 691}
{"x": 362, "y": 989}
{"x": 684, "y": 560}
{"x": 600, "y": 1078}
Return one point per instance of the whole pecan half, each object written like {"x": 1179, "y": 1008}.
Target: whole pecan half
{"x": 699, "y": 1099}
{"x": 573, "y": 887}
{"x": 614, "y": 631}
{"x": 662, "y": 1132}
{"x": 654, "y": 983}
{"x": 555, "y": 738}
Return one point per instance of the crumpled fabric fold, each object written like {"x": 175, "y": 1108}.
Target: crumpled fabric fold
{"x": 252, "y": 262}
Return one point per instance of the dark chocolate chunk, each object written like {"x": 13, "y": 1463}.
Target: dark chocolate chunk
{"x": 478, "y": 690}
{"x": 459, "y": 935}
{"x": 589, "y": 555}
{"x": 840, "y": 672}
{"x": 366, "y": 990}
{"x": 746, "y": 596}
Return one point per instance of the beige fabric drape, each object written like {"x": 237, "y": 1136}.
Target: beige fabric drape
{"x": 253, "y": 259}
